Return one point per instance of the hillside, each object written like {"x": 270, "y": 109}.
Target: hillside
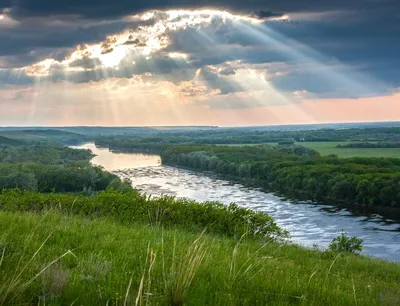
{"x": 9, "y": 141}
{"x": 120, "y": 250}
{"x": 64, "y": 137}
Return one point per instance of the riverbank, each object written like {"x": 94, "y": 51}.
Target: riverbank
{"x": 391, "y": 213}
{"x": 365, "y": 183}
{"x": 59, "y": 258}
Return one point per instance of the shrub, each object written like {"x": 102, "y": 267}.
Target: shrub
{"x": 133, "y": 206}
{"x": 344, "y": 243}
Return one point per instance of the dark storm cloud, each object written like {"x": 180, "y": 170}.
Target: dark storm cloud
{"x": 105, "y": 8}
{"x": 215, "y": 81}
{"x": 370, "y": 20}
{"x": 227, "y": 71}
{"x": 369, "y": 42}
{"x": 33, "y": 41}
{"x": 23, "y": 60}
{"x": 20, "y": 40}
{"x": 86, "y": 63}
{"x": 265, "y": 14}
{"x": 136, "y": 42}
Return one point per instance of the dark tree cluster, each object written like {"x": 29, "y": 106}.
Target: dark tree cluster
{"x": 46, "y": 167}
{"x": 367, "y": 145}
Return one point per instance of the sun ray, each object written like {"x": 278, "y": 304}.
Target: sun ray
{"x": 213, "y": 72}
{"x": 346, "y": 78}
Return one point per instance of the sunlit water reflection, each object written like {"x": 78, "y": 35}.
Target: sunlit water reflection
{"x": 117, "y": 161}
{"x": 307, "y": 223}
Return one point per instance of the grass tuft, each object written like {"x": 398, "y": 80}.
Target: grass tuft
{"x": 178, "y": 279}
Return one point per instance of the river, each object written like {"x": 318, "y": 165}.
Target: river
{"x": 309, "y": 224}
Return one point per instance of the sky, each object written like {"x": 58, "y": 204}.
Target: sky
{"x": 176, "y": 62}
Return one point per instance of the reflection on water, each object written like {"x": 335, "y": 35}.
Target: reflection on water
{"x": 117, "y": 161}
{"x": 308, "y": 223}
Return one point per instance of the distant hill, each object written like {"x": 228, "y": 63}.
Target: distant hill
{"x": 51, "y": 133}
{"x": 9, "y": 141}
{"x": 64, "y": 137}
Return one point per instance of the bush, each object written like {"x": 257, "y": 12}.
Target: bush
{"x": 344, "y": 243}
{"x": 132, "y": 206}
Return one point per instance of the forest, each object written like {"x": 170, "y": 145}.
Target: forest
{"x": 48, "y": 166}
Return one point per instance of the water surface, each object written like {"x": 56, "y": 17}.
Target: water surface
{"x": 308, "y": 223}
{"x": 116, "y": 161}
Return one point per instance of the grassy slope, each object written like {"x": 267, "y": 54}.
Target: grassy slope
{"x": 108, "y": 254}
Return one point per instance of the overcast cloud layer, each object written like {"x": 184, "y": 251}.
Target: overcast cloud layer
{"x": 263, "y": 53}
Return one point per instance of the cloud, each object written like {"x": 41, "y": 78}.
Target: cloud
{"x": 101, "y": 9}
{"x": 227, "y": 71}
{"x": 260, "y": 14}
{"x": 86, "y": 63}
{"x": 211, "y": 58}
{"x": 35, "y": 39}
{"x": 247, "y": 99}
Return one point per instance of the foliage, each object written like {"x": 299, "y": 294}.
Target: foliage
{"x": 61, "y": 178}
{"x": 344, "y": 243}
{"x": 369, "y": 145}
{"x": 44, "y": 153}
{"x": 132, "y": 206}
{"x": 47, "y": 166}
{"x": 43, "y": 135}
{"x": 9, "y": 141}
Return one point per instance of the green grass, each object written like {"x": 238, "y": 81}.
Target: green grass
{"x": 327, "y": 148}
{"x": 139, "y": 264}
{"x": 132, "y": 206}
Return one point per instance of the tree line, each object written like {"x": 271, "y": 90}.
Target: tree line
{"x": 366, "y": 145}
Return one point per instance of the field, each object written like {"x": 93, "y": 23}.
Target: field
{"x": 326, "y": 148}
{"x": 53, "y": 259}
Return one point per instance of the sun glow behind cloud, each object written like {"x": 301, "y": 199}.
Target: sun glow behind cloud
{"x": 167, "y": 76}
{"x": 144, "y": 40}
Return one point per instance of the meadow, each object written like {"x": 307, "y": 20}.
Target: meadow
{"x": 326, "y": 148}
{"x": 59, "y": 259}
